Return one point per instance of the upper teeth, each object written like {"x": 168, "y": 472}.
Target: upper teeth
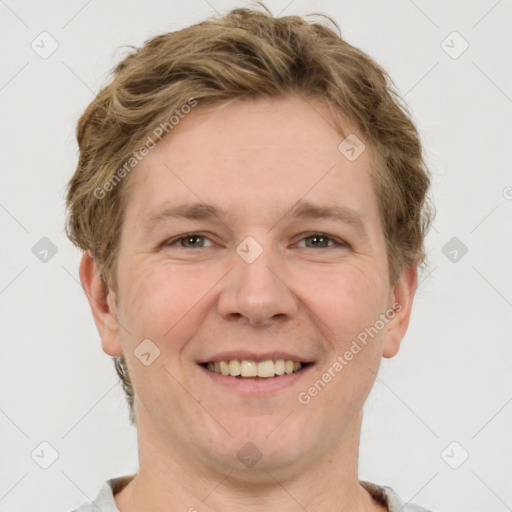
{"x": 247, "y": 368}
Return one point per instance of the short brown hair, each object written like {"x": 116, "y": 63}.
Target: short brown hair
{"x": 246, "y": 54}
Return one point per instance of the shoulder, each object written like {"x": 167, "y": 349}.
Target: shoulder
{"x": 104, "y": 499}
{"x": 388, "y": 497}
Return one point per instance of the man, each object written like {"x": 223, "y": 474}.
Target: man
{"x": 251, "y": 203}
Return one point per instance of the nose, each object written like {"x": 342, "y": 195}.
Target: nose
{"x": 257, "y": 291}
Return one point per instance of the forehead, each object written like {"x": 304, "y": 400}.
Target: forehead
{"x": 247, "y": 154}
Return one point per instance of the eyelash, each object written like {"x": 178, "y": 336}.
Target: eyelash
{"x": 336, "y": 241}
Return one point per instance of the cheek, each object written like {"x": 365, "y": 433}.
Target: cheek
{"x": 346, "y": 300}
{"x": 161, "y": 299}
{"x": 351, "y": 306}
{"x": 148, "y": 299}
{"x": 152, "y": 304}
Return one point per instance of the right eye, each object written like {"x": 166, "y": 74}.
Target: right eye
{"x": 190, "y": 240}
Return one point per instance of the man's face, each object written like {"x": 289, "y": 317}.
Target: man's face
{"x": 254, "y": 280}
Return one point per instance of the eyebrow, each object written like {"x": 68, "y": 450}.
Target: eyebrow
{"x": 301, "y": 210}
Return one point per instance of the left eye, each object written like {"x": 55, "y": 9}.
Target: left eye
{"x": 321, "y": 236}
{"x": 318, "y": 240}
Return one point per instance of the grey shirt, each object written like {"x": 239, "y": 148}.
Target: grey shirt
{"x": 105, "y": 499}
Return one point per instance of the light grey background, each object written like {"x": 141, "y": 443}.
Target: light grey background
{"x": 452, "y": 379}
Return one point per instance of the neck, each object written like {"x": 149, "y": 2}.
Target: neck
{"x": 173, "y": 477}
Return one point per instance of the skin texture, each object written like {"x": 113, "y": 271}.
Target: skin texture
{"x": 256, "y": 159}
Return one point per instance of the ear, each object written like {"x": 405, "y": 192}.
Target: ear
{"x": 102, "y": 302}
{"x": 401, "y": 299}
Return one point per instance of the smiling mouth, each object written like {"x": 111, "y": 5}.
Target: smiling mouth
{"x": 245, "y": 369}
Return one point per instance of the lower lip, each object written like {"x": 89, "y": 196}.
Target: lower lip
{"x": 250, "y": 386}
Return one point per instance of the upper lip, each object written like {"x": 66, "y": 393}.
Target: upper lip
{"x": 251, "y": 356}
